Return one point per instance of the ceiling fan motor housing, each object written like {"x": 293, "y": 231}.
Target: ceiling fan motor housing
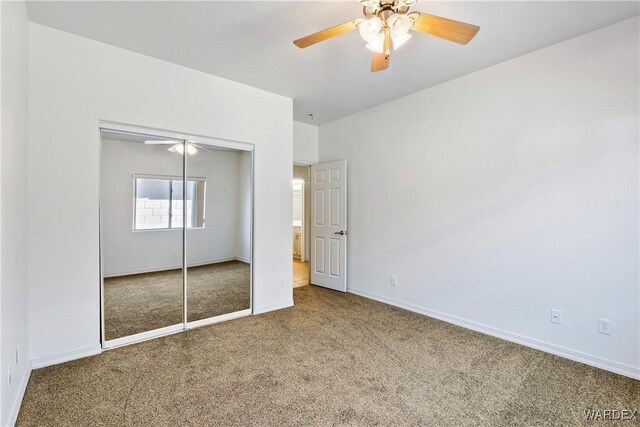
{"x": 385, "y": 8}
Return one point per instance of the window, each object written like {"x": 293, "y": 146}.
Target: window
{"x": 159, "y": 203}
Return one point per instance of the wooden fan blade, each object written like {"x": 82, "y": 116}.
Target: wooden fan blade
{"x": 325, "y": 34}
{"x": 380, "y": 61}
{"x": 200, "y": 147}
{"x": 447, "y": 29}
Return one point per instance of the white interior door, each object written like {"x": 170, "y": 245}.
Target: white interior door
{"x": 329, "y": 225}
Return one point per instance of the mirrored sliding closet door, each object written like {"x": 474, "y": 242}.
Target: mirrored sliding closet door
{"x": 158, "y": 276}
{"x": 218, "y": 232}
{"x": 141, "y": 234}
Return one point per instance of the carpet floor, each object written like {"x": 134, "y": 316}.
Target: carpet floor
{"x": 332, "y": 359}
{"x": 143, "y": 302}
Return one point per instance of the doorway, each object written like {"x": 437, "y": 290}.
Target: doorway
{"x": 300, "y": 225}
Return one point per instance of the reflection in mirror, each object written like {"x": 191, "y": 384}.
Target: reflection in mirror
{"x": 219, "y": 247}
{"x": 142, "y": 239}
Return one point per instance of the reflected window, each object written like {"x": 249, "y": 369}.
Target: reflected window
{"x": 159, "y": 203}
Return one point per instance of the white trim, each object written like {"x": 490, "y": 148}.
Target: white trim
{"x": 577, "y": 356}
{"x": 303, "y": 228}
{"x": 199, "y": 139}
{"x": 22, "y": 387}
{"x": 65, "y": 357}
{"x": 100, "y": 236}
{"x": 185, "y": 260}
{"x": 305, "y": 255}
{"x": 218, "y": 319}
{"x": 143, "y": 336}
{"x": 246, "y": 261}
{"x": 252, "y": 213}
{"x": 273, "y": 307}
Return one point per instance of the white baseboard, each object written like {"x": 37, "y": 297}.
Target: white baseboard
{"x": 42, "y": 362}
{"x": 607, "y": 365}
{"x": 218, "y": 319}
{"x": 142, "y": 336}
{"x": 246, "y": 261}
{"x": 22, "y": 387}
{"x": 273, "y": 307}
{"x": 179, "y": 267}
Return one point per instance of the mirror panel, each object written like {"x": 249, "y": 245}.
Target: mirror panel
{"x": 218, "y": 232}
{"x": 141, "y": 234}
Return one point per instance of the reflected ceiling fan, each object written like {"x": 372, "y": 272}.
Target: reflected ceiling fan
{"x": 387, "y": 23}
{"x": 178, "y": 147}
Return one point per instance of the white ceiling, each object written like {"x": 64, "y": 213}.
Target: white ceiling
{"x": 251, "y": 42}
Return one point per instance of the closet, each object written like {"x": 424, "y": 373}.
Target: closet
{"x": 175, "y": 232}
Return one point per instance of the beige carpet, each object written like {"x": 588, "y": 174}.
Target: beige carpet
{"x": 333, "y": 359}
{"x": 143, "y": 302}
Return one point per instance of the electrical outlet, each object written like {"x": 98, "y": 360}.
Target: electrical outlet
{"x": 394, "y": 280}
{"x": 556, "y": 316}
{"x": 604, "y": 326}
{"x": 9, "y": 375}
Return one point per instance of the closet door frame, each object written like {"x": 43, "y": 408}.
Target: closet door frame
{"x": 104, "y": 125}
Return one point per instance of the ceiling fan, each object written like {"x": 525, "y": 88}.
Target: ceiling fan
{"x": 178, "y": 147}
{"x": 387, "y": 23}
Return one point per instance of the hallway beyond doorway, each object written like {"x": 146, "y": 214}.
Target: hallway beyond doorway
{"x": 300, "y": 273}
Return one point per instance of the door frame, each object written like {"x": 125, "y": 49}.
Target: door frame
{"x": 302, "y": 222}
{"x": 185, "y": 324}
{"x": 306, "y": 229}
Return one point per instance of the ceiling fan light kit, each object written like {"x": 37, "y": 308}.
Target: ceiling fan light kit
{"x": 387, "y": 23}
{"x": 178, "y": 147}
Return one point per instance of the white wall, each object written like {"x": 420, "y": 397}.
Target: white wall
{"x": 75, "y": 82}
{"x": 126, "y": 251}
{"x": 14, "y": 217}
{"x": 500, "y": 195}
{"x": 305, "y": 143}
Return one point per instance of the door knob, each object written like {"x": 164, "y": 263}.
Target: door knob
{"x": 341, "y": 233}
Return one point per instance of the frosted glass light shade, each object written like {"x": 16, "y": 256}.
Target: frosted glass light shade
{"x": 399, "y": 25}
{"x": 370, "y": 28}
{"x": 179, "y": 148}
{"x": 377, "y": 44}
{"x": 399, "y": 41}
